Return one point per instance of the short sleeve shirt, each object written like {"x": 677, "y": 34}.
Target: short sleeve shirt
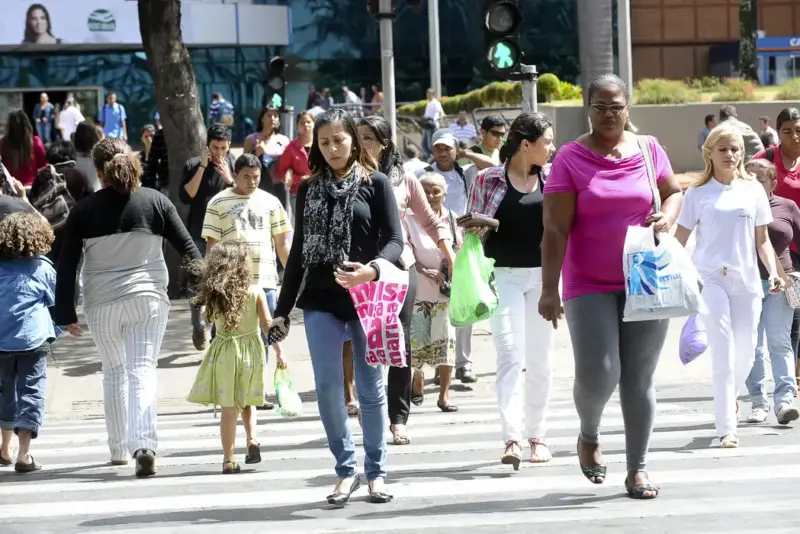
{"x": 254, "y": 220}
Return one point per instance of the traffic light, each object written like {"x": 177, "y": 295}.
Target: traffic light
{"x": 501, "y": 26}
{"x": 276, "y": 83}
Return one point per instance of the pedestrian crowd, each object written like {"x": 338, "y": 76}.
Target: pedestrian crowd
{"x": 299, "y": 223}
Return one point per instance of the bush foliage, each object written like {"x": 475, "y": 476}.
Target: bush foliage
{"x": 790, "y": 90}
{"x": 736, "y": 90}
{"x": 660, "y": 91}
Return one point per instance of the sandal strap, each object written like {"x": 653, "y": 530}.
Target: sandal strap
{"x": 537, "y": 441}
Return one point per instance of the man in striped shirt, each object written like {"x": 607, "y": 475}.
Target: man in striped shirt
{"x": 220, "y": 111}
{"x": 463, "y": 129}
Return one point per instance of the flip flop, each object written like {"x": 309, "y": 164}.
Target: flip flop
{"x": 253, "y": 455}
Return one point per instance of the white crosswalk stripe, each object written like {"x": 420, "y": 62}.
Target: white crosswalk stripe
{"x": 448, "y": 479}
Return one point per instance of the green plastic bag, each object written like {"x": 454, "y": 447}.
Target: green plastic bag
{"x": 289, "y": 402}
{"x": 473, "y": 295}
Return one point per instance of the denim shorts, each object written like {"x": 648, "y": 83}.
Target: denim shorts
{"x": 23, "y": 381}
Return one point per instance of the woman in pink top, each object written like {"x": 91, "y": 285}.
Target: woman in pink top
{"x": 376, "y": 138}
{"x": 598, "y": 186}
{"x": 22, "y": 152}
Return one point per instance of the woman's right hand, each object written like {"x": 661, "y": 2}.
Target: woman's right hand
{"x": 550, "y": 306}
{"x": 478, "y": 231}
{"x": 434, "y": 274}
{"x": 74, "y": 330}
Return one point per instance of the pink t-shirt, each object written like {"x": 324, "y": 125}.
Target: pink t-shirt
{"x": 612, "y": 194}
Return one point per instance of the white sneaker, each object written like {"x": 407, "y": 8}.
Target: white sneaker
{"x": 758, "y": 414}
{"x": 786, "y": 413}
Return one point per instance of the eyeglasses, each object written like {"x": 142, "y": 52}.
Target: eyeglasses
{"x": 497, "y": 134}
{"x": 615, "y": 109}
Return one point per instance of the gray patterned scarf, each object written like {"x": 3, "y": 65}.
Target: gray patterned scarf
{"x": 326, "y": 239}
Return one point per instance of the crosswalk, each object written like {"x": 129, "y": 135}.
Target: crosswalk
{"x": 448, "y": 479}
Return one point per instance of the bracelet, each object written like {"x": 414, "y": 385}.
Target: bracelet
{"x": 203, "y": 166}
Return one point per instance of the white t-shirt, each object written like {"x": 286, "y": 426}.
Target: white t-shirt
{"x": 726, "y": 217}
{"x": 433, "y": 109}
{"x": 68, "y": 121}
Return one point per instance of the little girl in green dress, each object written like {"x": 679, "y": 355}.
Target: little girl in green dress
{"x": 232, "y": 373}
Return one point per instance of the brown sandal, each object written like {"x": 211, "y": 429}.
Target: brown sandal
{"x": 229, "y": 467}
{"x": 510, "y": 457}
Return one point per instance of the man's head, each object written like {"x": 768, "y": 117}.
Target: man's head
{"x": 493, "y": 131}
{"x": 216, "y": 97}
{"x": 345, "y": 90}
{"x": 444, "y": 149}
{"x": 246, "y": 174}
{"x": 710, "y": 121}
{"x": 112, "y": 98}
{"x": 462, "y": 117}
{"x": 727, "y": 112}
{"x": 431, "y": 94}
{"x": 43, "y": 98}
{"x": 763, "y": 123}
{"x": 410, "y": 152}
{"x": 219, "y": 141}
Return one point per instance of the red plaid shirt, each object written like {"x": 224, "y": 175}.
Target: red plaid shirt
{"x": 489, "y": 190}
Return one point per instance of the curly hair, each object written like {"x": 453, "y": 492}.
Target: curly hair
{"x": 105, "y": 150}
{"x": 24, "y": 235}
{"x": 123, "y": 173}
{"x": 224, "y": 279}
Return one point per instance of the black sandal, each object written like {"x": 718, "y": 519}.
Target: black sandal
{"x": 340, "y": 498}
{"x": 596, "y": 474}
{"x": 232, "y": 470}
{"x": 253, "y": 455}
{"x": 637, "y": 491}
{"x": 23, "y": 468}
{"x": 417, "y": 398}
{"x": 5, "y": 461}
{"x": 447, "y": 407}
{"x": 379, "y": 497}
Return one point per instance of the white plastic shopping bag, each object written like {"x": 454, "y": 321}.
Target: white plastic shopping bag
{"x": 661, "y": 280}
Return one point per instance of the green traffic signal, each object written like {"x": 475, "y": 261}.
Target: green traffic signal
{"x": 504, "y": 55}
{"x": 277, "y": 101}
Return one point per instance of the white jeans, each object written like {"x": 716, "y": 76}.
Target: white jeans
{"x": 522, "y": 339}
{"x": 732, "y": 329}
{"x": 128, "y": 335}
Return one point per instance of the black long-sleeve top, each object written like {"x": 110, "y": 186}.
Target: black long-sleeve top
{"x": 121, "y": 239}
{"x": 376, "y": 233}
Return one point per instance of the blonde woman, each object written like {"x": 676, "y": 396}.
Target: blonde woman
{"x": 731, "y": 212}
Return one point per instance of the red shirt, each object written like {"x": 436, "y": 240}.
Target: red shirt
{"x": 788, "y": 180}
{"x": 27, "y": 173}
{"x": 295, "y": 158}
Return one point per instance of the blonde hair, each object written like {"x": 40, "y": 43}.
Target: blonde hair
{"x": 723, "y": 131}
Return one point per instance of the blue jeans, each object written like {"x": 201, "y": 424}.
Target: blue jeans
{"x": 774, "y": 334}
{"x": 198, "y": 322}
{"x": 44, "y": 130}
{"x": 23, "y": 379}
{"x": 325, "y": 335}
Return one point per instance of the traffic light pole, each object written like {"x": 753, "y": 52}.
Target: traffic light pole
{"x": 529, "y": 78}
{"x": 386, "y": 18}
{"x": 435, "y": 47}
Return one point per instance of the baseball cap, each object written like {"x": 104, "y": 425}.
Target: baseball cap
{"x": 445, "y": 136}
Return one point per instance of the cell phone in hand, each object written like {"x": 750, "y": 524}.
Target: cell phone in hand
{"x": 346, "y": 268}
{"x": 275, "y": 335}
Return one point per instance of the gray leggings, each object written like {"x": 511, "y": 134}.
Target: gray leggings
{"x": 609, "y": 352}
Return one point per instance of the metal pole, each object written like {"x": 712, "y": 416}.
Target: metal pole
{"x": 624, "y": 42}
{"x": 288, "y": 121}
{"x": 435, "y": 49}
{"x": 387, "y": 65}
{"x": 530, "y": 103}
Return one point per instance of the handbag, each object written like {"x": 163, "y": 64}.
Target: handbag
{"x": 792, "y": 289}
{"x": 444, "y": 287}
{"x": 471, "y": 220}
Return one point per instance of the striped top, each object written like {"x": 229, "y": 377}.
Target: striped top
{"x": 254, "y": 219}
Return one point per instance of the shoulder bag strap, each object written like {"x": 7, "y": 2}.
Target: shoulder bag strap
{"x": 770, "y": 154}
{"x": 644, "y": 145}
{"x": 450, "y": 218}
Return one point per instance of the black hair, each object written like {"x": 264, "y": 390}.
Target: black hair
{"x": 492, "y": 121}
{"x": 18, "y": 140}
{"x": 148, "y": 128}
{"x": 316, "y": 161}
{"x": 710, "y": 117}
{"x": 410, "y": 152}
{"x": 264, "y": 111}
{"x": 766, "y": 139}
{"x": 526, "y": 127}
{"x": 61, "y": 152}
{"x": 383, "y": 132}
{"x": 302, "y": 115}
{"x": 30, "y": 36}
{"x": 726, "y": 112}
{"x": 787, "y": 115}
{"x": 85, "y": 138}
{"x": 216, "y": 96}
{"x": 763, "y": 118}
{"x": 246, "y": 161}
{"x": 218, "y": 132}
{"x": 316, "y": 102}
{"x": 609, "y": 81}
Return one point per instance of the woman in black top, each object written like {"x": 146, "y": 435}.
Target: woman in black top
{"x": 512, "y": 194}
{"x": 346, "y": 218}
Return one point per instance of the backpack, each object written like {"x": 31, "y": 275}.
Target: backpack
{"x": 50, "y": 196}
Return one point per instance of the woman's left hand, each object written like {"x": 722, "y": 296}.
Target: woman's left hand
{"x": 776, "y": 284}
{"x": 361, "y": 273}
{"x": 660, "y": 222}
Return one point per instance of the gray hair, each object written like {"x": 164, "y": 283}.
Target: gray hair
{"x": 433, "y": 178}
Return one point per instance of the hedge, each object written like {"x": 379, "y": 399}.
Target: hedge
{"x": 790, "y": 90}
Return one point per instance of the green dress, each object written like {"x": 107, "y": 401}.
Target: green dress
{"x": 232, "y": 372}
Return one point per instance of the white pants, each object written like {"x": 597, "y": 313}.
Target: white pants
{"x": 128, "y": 335}
{"x": 522, "y": 339}
{"x": 731, "y": 324}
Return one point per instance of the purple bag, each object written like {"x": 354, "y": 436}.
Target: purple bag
{"x": 693, "y": 341}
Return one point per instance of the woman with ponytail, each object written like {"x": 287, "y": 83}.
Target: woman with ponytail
{"x": 512, "y": 194}
{"x": 376, "y": 138}
{"x": 598, "y": 186}
{"x": 120, "y": 230}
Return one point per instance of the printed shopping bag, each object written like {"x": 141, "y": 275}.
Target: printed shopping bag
{"x": 693, "y": 341}
{"x": 378, "y": 306}
{"x": 289, "y": 402}
{"x": 661, "y": 280}
{"x": 473, "y": 295}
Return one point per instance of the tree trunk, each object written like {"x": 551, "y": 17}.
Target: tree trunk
{"x": 178, "y": 102}
{"x": 596, "y": 41}
{"x": 748, "y": 25}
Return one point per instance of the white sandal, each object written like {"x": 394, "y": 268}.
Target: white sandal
{"x": 729, "y": 441}
{"x": 540, "y": 452}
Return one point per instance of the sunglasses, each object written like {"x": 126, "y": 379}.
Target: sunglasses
{"x": 498, "y": 135}
{"x": 615, "y": 109}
